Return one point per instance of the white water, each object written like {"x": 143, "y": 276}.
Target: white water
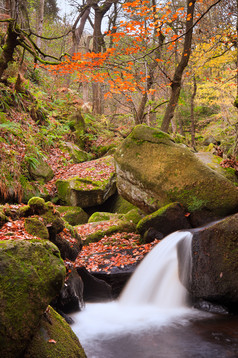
{"x": 156, "y": 280}
{"x": 154, "y": 297}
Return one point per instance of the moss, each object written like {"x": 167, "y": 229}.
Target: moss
{"x": 32, "y": 274}
{"x": 134, "y": 215}
{"x": 117, "y": 226}
{"x": 159, "y": 212}
{"x": 37, "y": 205}
{"x": 25, "y": 211}
{"x": 74, "y": 215}
{"x": 36, "y": 227}
{"x": 64, "y": 342}
{"x": 120, "y": 205}
{"x": 103, "y": 216}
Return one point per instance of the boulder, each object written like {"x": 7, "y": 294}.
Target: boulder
{"x": 108, "y": 227}
{"x": 70, "y": 298}
{"x": 47, "y": 224}
{"x": 88, "y": 191}
{"x": 153, "y": 171}
{"x": 32, "y": 274}
{"x": 41, "y": 171}
{"x": 166, "y": 220}
{"x": 74, "y": 215}
{"x": 54, "y": 338}
{"x": 78, "y": 155}
{"x": 214, "y": 267}
{"x": 95, "y": 290}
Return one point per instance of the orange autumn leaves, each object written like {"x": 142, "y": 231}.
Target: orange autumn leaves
{"x": 123, "y": 66}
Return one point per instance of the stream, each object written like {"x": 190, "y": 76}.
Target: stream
{"x": 152, "y": 317}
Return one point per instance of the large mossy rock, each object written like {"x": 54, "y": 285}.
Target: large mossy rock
{"x": 54, "y": 339}
{"x": 77, "y": 155}
{"x": 153, "y": 171}
{"x": 214, "y": 270}
{"x": 74, "y": 215}
{"x": 31, "y": 275}
{"x": 41, "y": 171}
{"x": 166, "y": 220}
{"x": 88, "y": 191}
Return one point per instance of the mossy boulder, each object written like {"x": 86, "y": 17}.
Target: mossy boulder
{"x": 108, "y": 228}
{"x": 213, "y": 162}
{"x": 103, "y": 216}
{"x": 41, "y": 171}
{"x": 120, "y": 205}
{"x": 77, "y": 125}
{"x": 37, "y": 205}
{"x": 166, "y": 220}
{"x": 214, "y": 269}
{"x": 78, "y": 155}
{"x": 74, "y": 215}
{"x": 153, "y": 171}
{"x": 88, "y": 191}
{"x": 36, "y": 227}
{"x": 3, "y": 217}
{"x": 32, "y": 274}
{"x": 54, "y": 339}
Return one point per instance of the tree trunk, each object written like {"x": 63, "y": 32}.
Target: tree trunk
{"x": 192, "y": 112}
{"x": 40, "y": 22}
{"x": 9, "y": 47}
{"x": 177, "y": 79}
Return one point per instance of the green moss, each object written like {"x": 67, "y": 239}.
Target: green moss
{"x": 36, "y": 227}
{"x": 74, "y": 215}
{"x": 64, "y": 342}
{"x": 37, "y": 205}
{"x": 120, "y": 205}
{"x": 134, "y": 215}
{"x": 103, "y": 216}
{"x": 32, "y": 274}
{"x": 117, "y": 226}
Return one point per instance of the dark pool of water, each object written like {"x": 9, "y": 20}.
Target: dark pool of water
{"x": 212, "y": 337}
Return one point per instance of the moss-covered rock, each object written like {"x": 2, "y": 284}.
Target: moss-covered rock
{"x": 166, "y": 220}
{"x": 54, "y": 339}
{"x": 77, "y": 154}
{"x": 108, "y": 228}
{"x": 37, "y": 205}
{"x": 214, "y": 271}
{"x": 88, "y": 191}
{"x": 3, "y": 217}
{"x": 213, "y": 162}
{"x": 134, "y": 215}
{"x": 153, "y": 171}
{"x": 41, "y": 171}
{"x": 77, "y": 125}
{"x": 31, "y": 275}
{"x": 74, "y": 215}
{"x": 103, "y": 216}
{"x": 120, "y": 205}
{"x": 36, "y": 227}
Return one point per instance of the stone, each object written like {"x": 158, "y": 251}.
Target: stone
{"x": 87, "y": 192}
{"x": 214, "y": 266}
{"x": 78, "y": 155}
{"x": 109, "y": 227}
{"x": 74, "y": 215}
{"x": 41, "y": 171}
{"x": 166, "y": 220}
{"x": 70, "y": 298}
{"x": 153, "y": 171}
{"x": 95, "y": 290}
{"x": 32, "y": 274}
{"x": 54, "y": 338}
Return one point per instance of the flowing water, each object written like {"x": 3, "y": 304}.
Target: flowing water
{"x": 152, "y": 319}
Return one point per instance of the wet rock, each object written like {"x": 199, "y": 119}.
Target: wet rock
{"x": 95, "y": 290}
{"x": 153, "y": 171}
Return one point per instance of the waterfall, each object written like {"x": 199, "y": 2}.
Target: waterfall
{"x": 153, "y": 297}
{"x": 156, "y": 280}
